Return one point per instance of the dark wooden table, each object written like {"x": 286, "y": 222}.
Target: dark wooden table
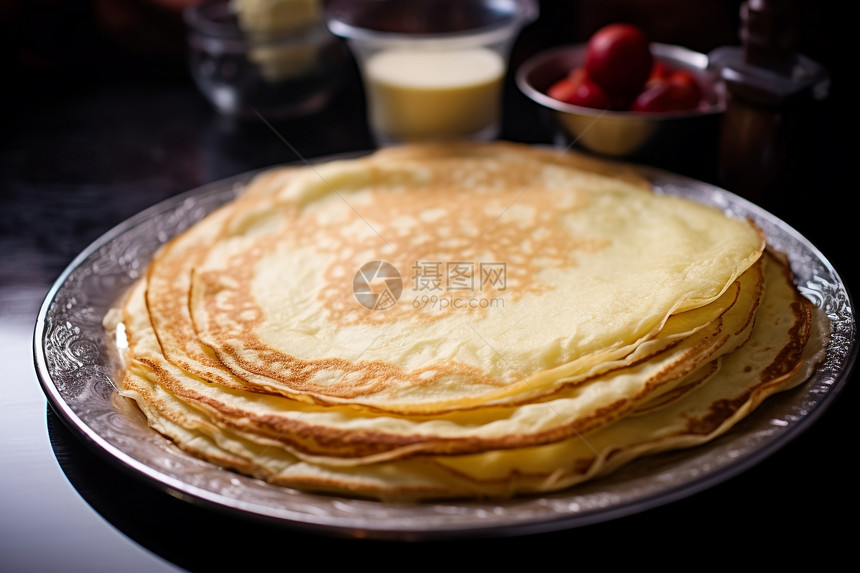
{"x": 86, "y": 144}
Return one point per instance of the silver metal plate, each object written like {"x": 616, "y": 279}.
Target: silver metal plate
{"x": 76, "y": 365}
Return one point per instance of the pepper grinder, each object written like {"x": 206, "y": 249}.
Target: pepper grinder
{"x": 771, "y": 93}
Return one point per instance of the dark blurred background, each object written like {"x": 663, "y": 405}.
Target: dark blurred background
{"x": 65, "y": 45}
{"x": 100, "y": 118}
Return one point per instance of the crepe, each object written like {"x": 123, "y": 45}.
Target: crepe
{"x": 354, "y": 436}
{"x": 627, "y": 261}
{"x": 629, "y": 322}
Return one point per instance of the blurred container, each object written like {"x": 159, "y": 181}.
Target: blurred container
{"x": 626, "y": 134}
{"x": 272, "y": 57}
{"x": 432, "y": 69}
{"x": 768, "y": 131}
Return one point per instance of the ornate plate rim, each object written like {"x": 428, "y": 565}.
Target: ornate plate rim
{"x": 74, "y": 366}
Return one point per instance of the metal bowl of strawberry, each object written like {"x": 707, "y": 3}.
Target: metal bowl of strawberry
{"x": 626, "y": 98}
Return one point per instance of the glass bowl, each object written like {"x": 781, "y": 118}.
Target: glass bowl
{"x": 432, "y": 69}
{"x": 249, "y": 63}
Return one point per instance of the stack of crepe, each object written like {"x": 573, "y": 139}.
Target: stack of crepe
{"x": 544, "y": 319}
